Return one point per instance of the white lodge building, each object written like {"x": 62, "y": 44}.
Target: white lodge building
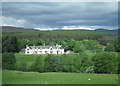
{"x": 58, "y": 49}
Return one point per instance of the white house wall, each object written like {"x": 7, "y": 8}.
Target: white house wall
{"x": 42, "y": 51}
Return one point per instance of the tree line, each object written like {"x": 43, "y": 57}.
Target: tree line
{"x": 101, "y": 62}
{"x": 101, "y": 37}
{"x": 12, "y": 44}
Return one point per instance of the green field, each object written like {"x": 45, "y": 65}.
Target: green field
{"x": 28, "y": 59}
{"x": 18, "y": 77}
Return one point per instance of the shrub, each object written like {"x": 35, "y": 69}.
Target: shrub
{"x": 105, "y": 62}
{"x": 22, "y": 66}
{"x": 8, "y": 61}
{"x": 38, "y": 66}
{"x": 53, "y": 63}
{"x": 110, "y": 48}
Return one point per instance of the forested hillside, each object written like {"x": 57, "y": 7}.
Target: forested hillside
{"x": 23, "y": 33}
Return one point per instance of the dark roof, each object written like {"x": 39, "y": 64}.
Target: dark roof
{"x": 44, "y": 47}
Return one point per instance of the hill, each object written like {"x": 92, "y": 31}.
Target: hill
{"x": 16, "y": 29}
{"x": 102, "y": 30}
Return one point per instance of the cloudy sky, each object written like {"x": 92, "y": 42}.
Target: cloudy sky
{"x": 61, "y": 15}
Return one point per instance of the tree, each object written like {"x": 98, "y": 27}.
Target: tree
{"x": 71, "y": 43}
{"x": 22, "y": 66}
{"x": 68, "y": 62}
{"x": 48, "y": 64}
{"x": 22, "y": 43}
{"x": 38, "y": 42}
{"x": 38, "y": 66}
{"x": 8, "y": 61}
{"x": 117, "y": 45}
{"x": 77, "y": 63}
{"x": 85, "y": 63}
{"x": 110, "y": 48}
{"x": 14, "y": 43}
{"x": 105, "y": 62}
{"x": 79, "y": 47}
{"x": 64, "y": 45}
{"x": 92, "y": 45}
{"x": 53, "y": 63}
{"x": 10, "y": 44}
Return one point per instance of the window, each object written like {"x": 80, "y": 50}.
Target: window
{"x": 57, "y": 52}
{"x": 40, "y": 51}
{"x": 46, "y": 52}
{"x": 50, "y": 48}
{"x": 28, "y": 52}
{"x": 35, "y": 52}
{"x": 51, "y": 52}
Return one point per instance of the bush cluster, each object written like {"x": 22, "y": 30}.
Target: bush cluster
{"x": 102, "y": 62}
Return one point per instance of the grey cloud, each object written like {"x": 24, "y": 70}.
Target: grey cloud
{"x": 60, "y": 14}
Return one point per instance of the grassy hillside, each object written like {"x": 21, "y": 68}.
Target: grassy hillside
{"x": 17, "y": 77}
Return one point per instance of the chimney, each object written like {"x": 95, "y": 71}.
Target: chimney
{"x": 26, "y": 45}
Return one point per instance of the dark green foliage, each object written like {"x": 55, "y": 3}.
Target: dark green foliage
{"x": 92, "y": 45}
{"x": 68, "y": 62}
{"x": 22, "y": 66}
{"x": 38, "y": 42}
{"x": 119, "y": 63}
{"x": 53, "y": 63}
{"x": 48, "y": 64}
{"x": 38, "y": 66}
{"x": 103, "y": 38}
{"x": 105, "y": 62}
{"x": 73, "y": 62}
{"x": 79, "y": 47}
{"x": 8, "y": 61}
{"x": 22, "y": 43}
{"x": 64, "y": 45}
{"x": 71, "y": 43}
{"x": 110, "y": 47}
{"x": 117, "y": 45}
{"x": 85, "y": 63}
{"x": 10, "y": 44}
{"x": 107, "y": 39}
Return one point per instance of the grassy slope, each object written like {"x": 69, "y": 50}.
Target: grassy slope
{"x": 17, "y": 77}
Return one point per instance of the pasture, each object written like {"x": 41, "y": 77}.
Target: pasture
{"x": 18, "y": 77}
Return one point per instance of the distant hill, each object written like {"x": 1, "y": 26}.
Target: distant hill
{"x": 102, "y": 30}
{"x": 16, "y": 29}
{"x": 21, "y": 29}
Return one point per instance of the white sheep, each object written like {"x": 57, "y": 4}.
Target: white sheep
{"x": 89, "y": 79}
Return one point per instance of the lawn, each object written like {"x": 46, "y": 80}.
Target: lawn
{"x": 28, "y": 59}
{"x": 18, "y": 77}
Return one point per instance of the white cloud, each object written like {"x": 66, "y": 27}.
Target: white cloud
{"x": 10, "y": 21}
{"x": 60, "y": 1}
{"x": 43, "y": 29}
{"x": 87, "y": 27}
